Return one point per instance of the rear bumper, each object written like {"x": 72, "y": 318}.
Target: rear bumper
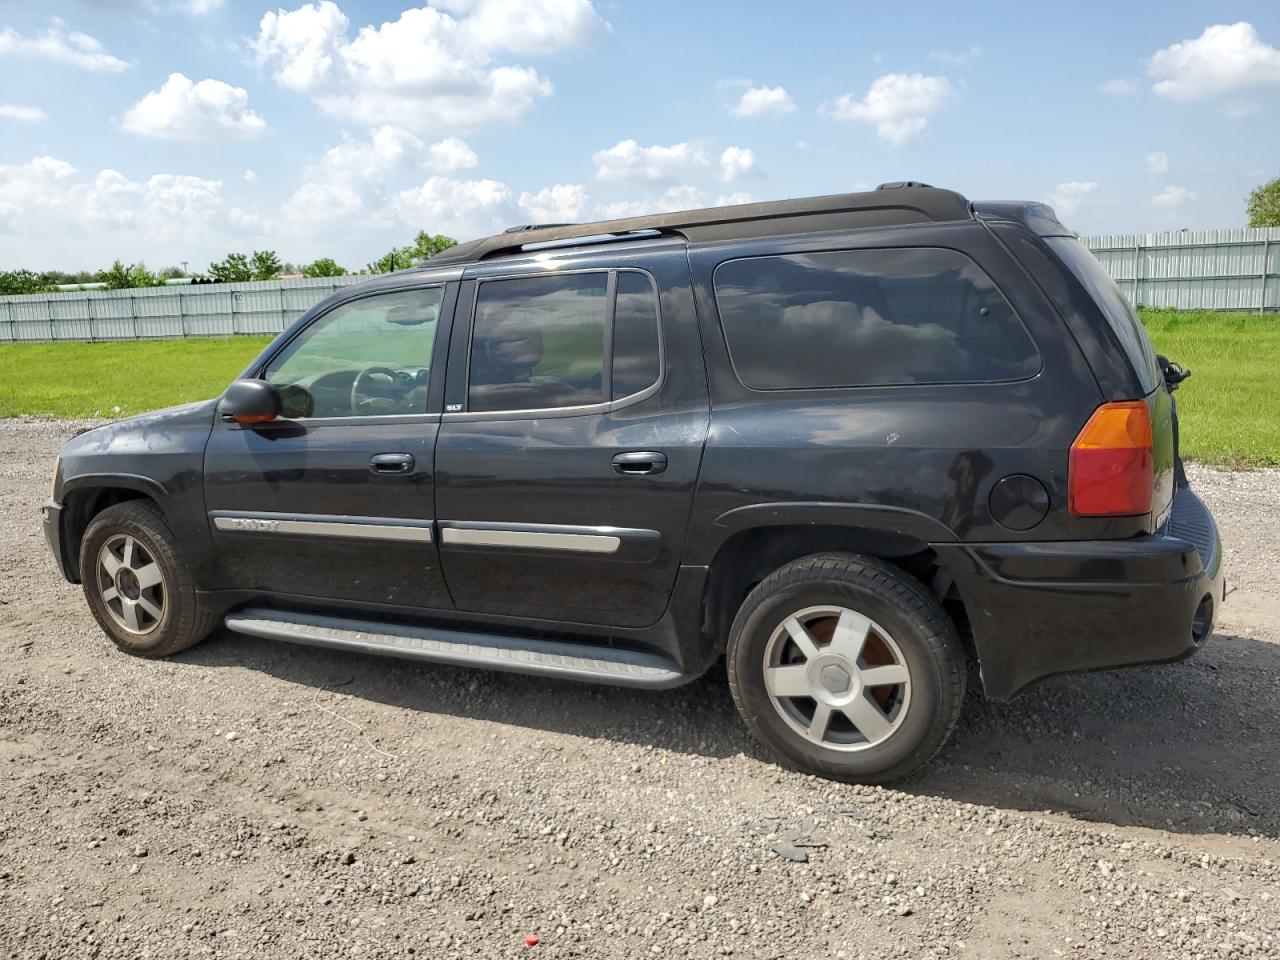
{"x": 1039, "y": 609}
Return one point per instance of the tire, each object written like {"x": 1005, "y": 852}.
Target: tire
{"x": 136, "y": 536}
{"x": 846, "y": 604}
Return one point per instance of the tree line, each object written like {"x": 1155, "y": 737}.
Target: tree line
{"x": 233, "y": 268}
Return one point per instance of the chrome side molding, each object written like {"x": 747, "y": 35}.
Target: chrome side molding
{"x": 322, "y": 525}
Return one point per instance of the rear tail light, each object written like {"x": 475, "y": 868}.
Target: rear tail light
{"x": 1112, "y": 472}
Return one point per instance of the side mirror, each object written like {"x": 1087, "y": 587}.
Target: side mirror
{"x": 249, "y": 402}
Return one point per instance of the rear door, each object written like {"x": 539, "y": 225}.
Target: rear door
{"x": 576, "y": 410}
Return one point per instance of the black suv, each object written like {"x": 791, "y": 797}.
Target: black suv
{"x": 868, "y": 448}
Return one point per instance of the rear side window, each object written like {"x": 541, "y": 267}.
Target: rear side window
{"x": 869, "y": 317}
{"x": 1114, "y": 306}
{"x": 541, "y": 343}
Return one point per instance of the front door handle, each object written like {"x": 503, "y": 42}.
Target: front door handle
{"x": 391, "y": 462}
{"x": 640, "y": 463}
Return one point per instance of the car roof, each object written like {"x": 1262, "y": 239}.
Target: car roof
{"x": 890, "y": 204}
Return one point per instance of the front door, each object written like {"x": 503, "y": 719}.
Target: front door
{"x": 576, "y": 411}
{"x": 335, "y": 500}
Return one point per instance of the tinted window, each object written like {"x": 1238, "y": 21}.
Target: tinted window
{"x": 1114, "y": 305}
{"x": 538, "y": 343}
{"x": 369, "y": 357}
{"x": 862, "y": 317}
{"x": 635, "y": 336}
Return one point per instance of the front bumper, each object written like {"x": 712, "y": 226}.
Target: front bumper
{"x": 1039, "y": 609}
{"x": 51, "y": 521}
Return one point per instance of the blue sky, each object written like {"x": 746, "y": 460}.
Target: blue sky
{"x": 176, "y": 130}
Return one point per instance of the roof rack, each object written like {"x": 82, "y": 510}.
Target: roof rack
{"x": 890, "y": 204}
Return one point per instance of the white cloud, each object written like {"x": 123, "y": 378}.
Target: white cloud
{"x": 183, "y": 110}
{"x": 48, "y": 200}
{"x": 627, "y": 160}
{"x": 432, "y": 68}
{"x": 1067, "y": 198}
{"x": 763, "y": 102}
{"x": 562, "y": 203}
{"x": 249, "y": 175}
{"x": 674, "y": 198}
{"x": 451, "y": 155}
{"x": 897, "y": 103}
{"x": 736, "y": 162}
{"x": 732, "y": 199}
{"x": 1120, "y": 87}
{"x": 956, "y": 58}
{"x": 351, "y": 177}
{"x": 461, "y": 208}
{"x": 1157, "y": 162}
{"x": 1224, "y": 58}
{"x": 527, "y": 27}
{"x": 198, "y": 8}
{"x": 75, "y": 48}
{"x": 13, "y": 111}
{"x": 1172, "y": 196}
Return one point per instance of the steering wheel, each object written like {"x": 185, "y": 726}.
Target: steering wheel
{"x": 359, "y": 400}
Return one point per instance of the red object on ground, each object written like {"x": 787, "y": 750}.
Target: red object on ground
{"x": 531, "y": 940}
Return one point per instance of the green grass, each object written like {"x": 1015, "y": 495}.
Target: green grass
{"x": 94, "y": 379}
{"x": 1229, "y": 410}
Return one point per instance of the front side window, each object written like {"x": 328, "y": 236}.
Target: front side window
{"x": 869, "y": 317}
{"x": 368, "y": 357}
{"x": 542, "y": 343}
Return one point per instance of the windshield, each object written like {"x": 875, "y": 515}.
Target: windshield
{"x": 1117, "y": 309}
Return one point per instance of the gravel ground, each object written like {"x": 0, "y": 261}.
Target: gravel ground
{"x": 255, "y": 800}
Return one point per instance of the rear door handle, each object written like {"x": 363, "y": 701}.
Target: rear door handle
{"x": 391, "y": 462}
{"x": 640, "y": 463}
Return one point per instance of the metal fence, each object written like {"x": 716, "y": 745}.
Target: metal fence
{"x": 212, "y": 310}
{"x": 1195, "y": 269}
{"x": 1188, "y": 270}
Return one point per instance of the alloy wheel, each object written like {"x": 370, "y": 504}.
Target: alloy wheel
{"x": 837, "y": 678}
{"x": 131, "y": 584}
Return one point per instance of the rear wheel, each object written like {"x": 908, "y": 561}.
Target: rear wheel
{"x": 846, "y": 667}
{"x": 137, "y": 584}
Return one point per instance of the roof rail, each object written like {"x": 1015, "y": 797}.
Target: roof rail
{"x": 888, "y": 205}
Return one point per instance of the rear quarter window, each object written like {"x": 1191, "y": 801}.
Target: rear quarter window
{"x": 869, "y": 317}
{"x": 1121, "y": 316}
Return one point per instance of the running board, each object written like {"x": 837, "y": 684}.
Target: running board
{"x": 488, "y": 651}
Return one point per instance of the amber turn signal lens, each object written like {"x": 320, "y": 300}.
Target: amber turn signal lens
{"x": 1112, "y": 464}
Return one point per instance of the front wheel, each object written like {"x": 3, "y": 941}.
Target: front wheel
{"x": 846, "y": 667}
{"x": 137, "y": 583}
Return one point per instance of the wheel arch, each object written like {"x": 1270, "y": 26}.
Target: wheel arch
{"x": 85, "y": 497}
{"x": 759, "y": 540}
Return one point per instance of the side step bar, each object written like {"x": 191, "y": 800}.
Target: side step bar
{"x": 571, "y": 661}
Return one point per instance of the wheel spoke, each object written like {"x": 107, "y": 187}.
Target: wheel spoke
{"x": 850, "y": 636}
{"x": 149, "y": 575}
{"x": 129, "y": 608}
{"x": 787, "y": 681}
{"x": 893, "y": 673}
{"x": 802, "y": 637}
{"x": 129, "y": 544}
{"x": 109, "y": 563}
{"x": 867, "y": 716}
{"x": 109, "y": 594}
{"x": 151, "y": 608}
{"x": 818, "y": 725}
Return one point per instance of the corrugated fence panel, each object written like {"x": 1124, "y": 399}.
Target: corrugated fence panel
{"x": 1195, "y": 269}
{"x": 1188, "y": 270}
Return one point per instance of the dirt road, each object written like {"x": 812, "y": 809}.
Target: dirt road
{"x": 256, "y": 800}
